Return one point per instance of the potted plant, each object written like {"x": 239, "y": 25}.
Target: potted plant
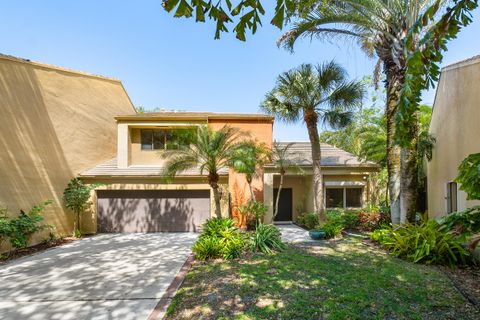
{"x": 317, "y": 234}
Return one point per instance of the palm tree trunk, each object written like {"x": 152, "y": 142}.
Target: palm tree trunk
{"x": 409, "y": 174}
{"x": 311, "y": 120}
{"x": 280, "y": 186}
{"x": 394, "y": 83}
{"x": 252, "y": 194}
{"x": 213, "y": 182}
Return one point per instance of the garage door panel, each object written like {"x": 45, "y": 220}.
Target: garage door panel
{"x": 152, "y": 210}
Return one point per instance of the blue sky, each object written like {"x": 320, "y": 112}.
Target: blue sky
{"x": 176, "y": 63}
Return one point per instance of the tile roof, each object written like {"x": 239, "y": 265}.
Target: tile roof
{"x": 192, "y": 115}
{"x": 300, "y": 153}
{"x": 110, "y": 168}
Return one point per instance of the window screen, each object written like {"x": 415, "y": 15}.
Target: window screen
{"x": 147, "y": 139}
{"x": 334, "y": 197}
{"x": 451, "y": 197}
{"x": 354, "y": 197}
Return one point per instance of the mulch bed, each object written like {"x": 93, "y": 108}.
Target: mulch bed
{"x": 9, "y": 256}
{"x": 467, "y": 281}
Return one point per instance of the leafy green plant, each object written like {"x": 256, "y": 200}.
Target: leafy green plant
{"x": 463, "y": 222}
{"x": 425, "y": 243}
{"x": 76, "y": 196}
{"x": 253, "y": 211}
{"x": 309, "y": 220}
{"x": 332, "y": 229}
{"x": 5, "y": 227}
{"x": 381, "y": 235}
{"x": 220, "y": 238}
{"x": 351, "y": 219}
{"x": 469, "y": 176}
{"x": 26, "y": 224}
{"x": 266, "y": 239}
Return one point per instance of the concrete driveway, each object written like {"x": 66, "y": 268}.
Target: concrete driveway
{"x": 108, "y": 276}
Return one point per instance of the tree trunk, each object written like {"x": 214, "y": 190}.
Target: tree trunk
{"x": 280, "y": 186}
{"x": 213, "y": 182}
{"x": 409, "y": 174}
{"x": 311, "y": 120}
{"x": 252, "y": 194}
{"x": 394, "y": 84}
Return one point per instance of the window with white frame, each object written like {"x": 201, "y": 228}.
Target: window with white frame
{"x": 341, "y": 197}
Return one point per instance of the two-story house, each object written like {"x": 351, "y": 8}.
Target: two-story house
{"x": 58, "y": 123}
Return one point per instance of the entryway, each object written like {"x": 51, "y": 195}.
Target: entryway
{"x": 285, "y": 205}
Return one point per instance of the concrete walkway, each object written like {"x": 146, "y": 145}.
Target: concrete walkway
{"x": 109, "y": 276}
{"x": 292, "y": 233}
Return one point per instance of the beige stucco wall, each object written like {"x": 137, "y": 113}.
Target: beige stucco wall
{"x": 302, "y": 191}
{"x": 89, "y": 218}
{"x": 55, "y": 124}
{"x": 455, "y": 125}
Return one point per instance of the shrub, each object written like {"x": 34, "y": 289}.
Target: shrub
{"x": 381, "y": 235}
{"x": 308, "y": 220}
{"x": 425, "y": 243}
{"x": 266, "y": 239}
{"x": 18, "y": 230}
{"x": 463, "y": 222}
{"x": 351, "y": 219}
{"x": 332, "y": 229}
{"x": 220, "y": 238}
{"x": 253, "y": 211}
{"x": 369, "y": 221}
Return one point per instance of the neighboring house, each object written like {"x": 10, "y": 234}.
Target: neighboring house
{"x": 455, "y": 125}
{"x": 345, "y": 181}
{"x": 57, "y": 124}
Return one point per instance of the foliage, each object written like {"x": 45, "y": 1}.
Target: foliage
{"x": 248, "y": 14}
{"x": 76, "y": 196}
{"x": 371, "y": 220}
{"x": 335, "y": 223}
{"x": 247, "y": 157}
{"x": 309, "y": 220}
{"x": 381, "y": 235}
{"x": 425, "y": 243}
{"x": 210, "y": 151}
{"x": 469, "y": 176}
{"x": 266, "y": 239}
{"x": 253, "y": 211}
{"x": 463, "y": 222}
{"x": 19, "y": 229}
{"x": 220, "y": 238}
{"x": 424, "y": 50}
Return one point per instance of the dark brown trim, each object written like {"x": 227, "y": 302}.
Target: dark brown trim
{"x": 160, "y": 309}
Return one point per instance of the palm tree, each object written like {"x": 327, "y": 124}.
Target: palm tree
{"x": 282, "y": 160}
{"x": 315, "y": 94}
{"x": 380, "y": 27}
{"x": 247, "y": 157}
{"x": 209, "y": 151}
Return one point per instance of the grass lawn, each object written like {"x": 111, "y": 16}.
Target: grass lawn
{"x": 345, "y": 279}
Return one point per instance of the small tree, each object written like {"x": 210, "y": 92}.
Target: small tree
{"x": 247, "y": 157}
{"x": 76, "y": 197}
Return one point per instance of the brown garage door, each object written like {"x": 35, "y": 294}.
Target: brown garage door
{"x": 152, "y": 210}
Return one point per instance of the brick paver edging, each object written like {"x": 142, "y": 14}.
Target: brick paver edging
{"x": 160, "y": 309}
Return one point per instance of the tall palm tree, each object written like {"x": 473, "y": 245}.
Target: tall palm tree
{"x": 247, "y": 157}
{"x": 210, "y": 151}
{"x": 380, "y": 27}
{"x": 315, "y": 94}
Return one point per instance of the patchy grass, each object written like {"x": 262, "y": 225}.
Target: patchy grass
{"x": 344, "y": 279}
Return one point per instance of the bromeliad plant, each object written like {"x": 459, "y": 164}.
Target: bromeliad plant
{"x": 76, "y": 197}
{"x": 266, "y": 239}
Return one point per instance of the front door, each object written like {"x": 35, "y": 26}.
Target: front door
{"x": 284, "y": 205}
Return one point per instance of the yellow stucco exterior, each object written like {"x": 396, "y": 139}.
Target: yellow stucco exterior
{"x": 55, "y": 123}
{"x": 455, "y": 125}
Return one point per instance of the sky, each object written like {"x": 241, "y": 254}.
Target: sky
{"x": 176, "y": 64}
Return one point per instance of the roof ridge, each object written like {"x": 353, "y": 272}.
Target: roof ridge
{"x": 54, "y": 67}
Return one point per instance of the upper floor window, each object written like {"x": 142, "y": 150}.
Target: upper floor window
{"x": 165, "y": 139}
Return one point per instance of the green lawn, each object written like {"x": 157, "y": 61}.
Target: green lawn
{"x": 344, "y": 279}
